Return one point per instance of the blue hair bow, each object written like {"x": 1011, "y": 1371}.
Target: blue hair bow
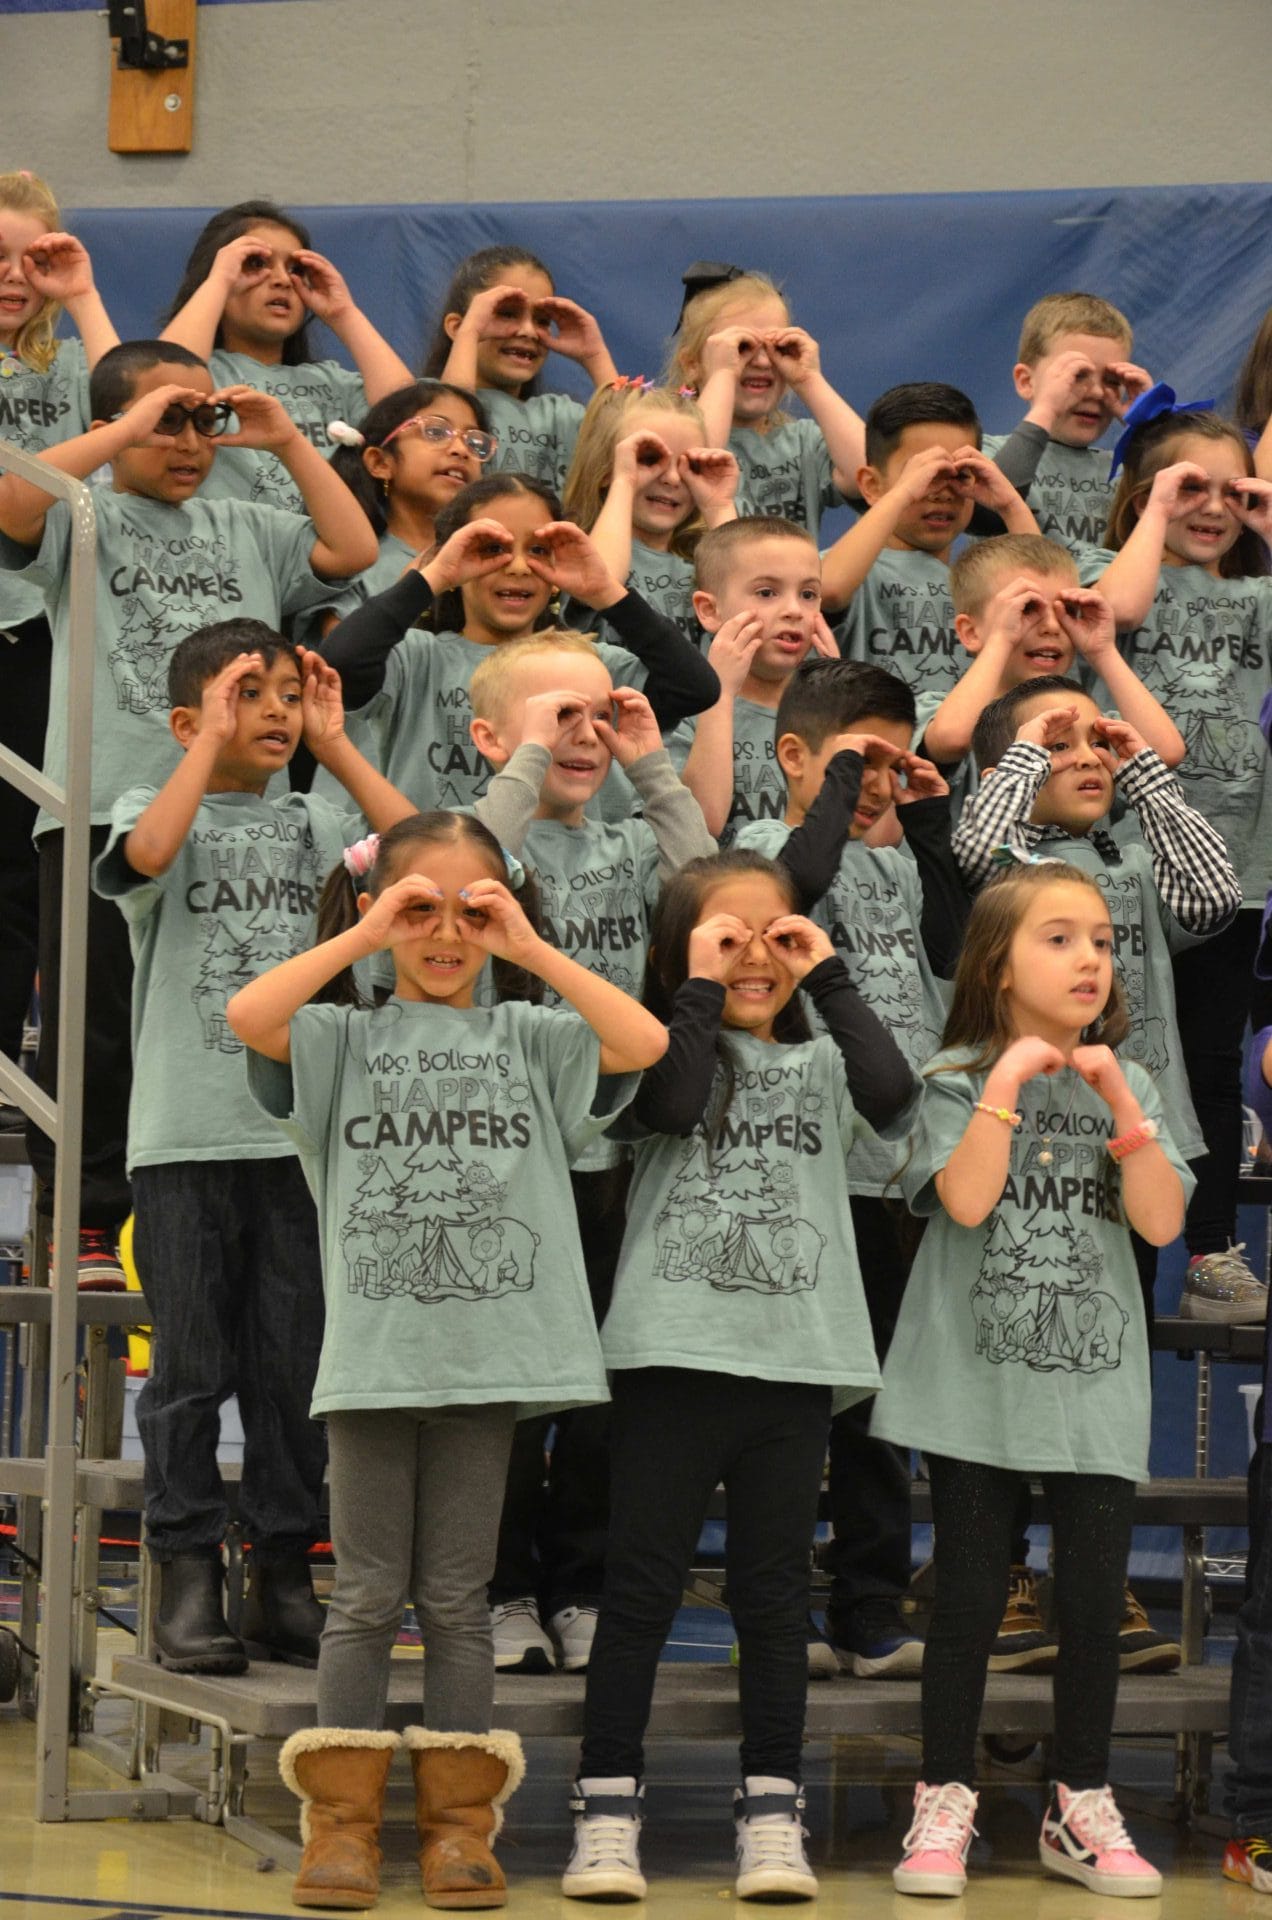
{"x": 1152, "y": 405}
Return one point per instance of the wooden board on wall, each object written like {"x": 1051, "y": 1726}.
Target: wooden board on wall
{"x": 154, "y": 112}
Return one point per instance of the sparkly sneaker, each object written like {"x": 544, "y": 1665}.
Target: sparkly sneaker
{"x": 521, "y": 1645}
{"x": 605, "y": 1863}
{"x": 772, "y": 1864}
{"x": 1249, "y": 1863}
{"x": 874, "y": 1643}
{"x": 1023, "y": 1644}
{"x": 573, "y": 1630}
{"x": 1220, "y": 1286}
{"x": 936, "y": 1846}
{"x": 1141, "y": 1649}
{"x": 98, "y": 1268}
{"x": 1083, "y": 1839}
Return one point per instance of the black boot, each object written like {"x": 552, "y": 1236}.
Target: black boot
{"x": 190, "y": 1631}
{"x": 281, "y": 1618}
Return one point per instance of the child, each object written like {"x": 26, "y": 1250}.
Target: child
{"x": 924, "y": 477}
{"x": 435, "y": 1135}
{"x": 216, "y": 881}
{"x": 502, "y": 550}
{"x": 1073, "y": 366}
{"x": 548, "y": 718}
{"x": 735, "y": 347}
{"x": 759, "y": 596}
{"x": 1048, "y": 1373}
{"x": 495, "y": 333}
{"x": 738, "y": 1319}
{"x": 1188, "y": 576}
{"x": 243, "y": 305}
{"x": 166, "y": 558}
{"x": 644, "y": 486}
{"x": 43, "y": 398}
{"x": 843, "y": 732}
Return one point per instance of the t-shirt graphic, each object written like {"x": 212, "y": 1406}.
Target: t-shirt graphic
{"x": 314, "y": 393}
{"x": 437, "y": 1231}
{"x": 1070, "y": 493}
{"x": 901, "y": 618}
{"x": 759, "y": 789}
{"x": 36, "y": 411}
{"x": 1023, "y": 1314}
{"x": 727, "y": 1218}
{"x": 786, "y": 472}
{"x": 160, "y": 599}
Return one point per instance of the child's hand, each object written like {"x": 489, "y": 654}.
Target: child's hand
{"x": 1101, "y": 1069}
{"x": 1132, "y": 383}
{"x": 1176, "y": 490}
{"x": 142, "y": 417}
{"x": 824, "y": 641}
{"x": 264, "y": 421}
{"x": 321, "y": 286}
{"x": 987, "y": 484}
{"x": 577, "y": 336}
{"x": 477, "y": 548}
{"x": 1087, "y": 618}
{"x": 1047, "y": 727}
{"x": 496, "y": 923}
{"x": 1013, "y": 614}
{"x": 797, "y": 944}
{"x": 1251, "y": 503}
{"x": 715, "y": 944}
{"x": 729, "y": 350}
{"x": 875, "y": 751}
{"x": 57, "y": 267}
{"x": 914, "y": 778}
{"x": 496, "y": 313}
{"x": 1122, "y": 740}
{"x": 321, "y": 703}
{"x": 218, "y": 708}
{"x": 635, "y": 731}
{"x": 1058, "y": 385}
{"x": 576, "y": 565}
{"x": 404, "y": 911}
{"x": 641, "y": 457}
{"x": 733, "y": 648}
{"x": 241, "y": 264}
{"x": 711, "y": 475}
{"x": 922, "y": 474}
{"x": 549, "y": 717}
{"x": 795, "y": 354}
{"x": 1023, "y": 1060}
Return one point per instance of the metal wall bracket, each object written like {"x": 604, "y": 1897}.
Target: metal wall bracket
{"x": 140, "y": 50}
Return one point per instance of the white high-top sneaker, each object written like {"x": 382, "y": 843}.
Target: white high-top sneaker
{"x": 772, "y": 1863}
{"x": 605, "y": 1863}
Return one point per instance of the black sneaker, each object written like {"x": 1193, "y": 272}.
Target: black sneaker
{"x": 874, "y": 1643}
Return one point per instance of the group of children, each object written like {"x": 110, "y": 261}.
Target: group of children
{"x": 763, "y": 1002}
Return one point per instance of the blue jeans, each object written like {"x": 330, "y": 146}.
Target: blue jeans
{"x": 227, "y": 1253}
{"x": 1248, "y": 1797}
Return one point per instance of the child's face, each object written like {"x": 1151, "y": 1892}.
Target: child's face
{"x": 177, "y": 469}
{"x": 1093, "y": 409}
{"x": 659, "y": 506}
{"x": 423, "y": 475}
{"x": 270, "y": 720}
{"x": 760, "y": 385}
{"x": 1045, "y": 647}
{"x": 932, "y": 524}
{"x": 804, "y": 779}
{"x": 1059, "y": 970}
{"x": 580, "y": 760}
{"x": 778, "y": 580}
{"x": 505, "y": 605}
{"x": 1211, "y": 529}
{"x": 19, "y": 301}
{"x": 267, "y": 314}
{"x": 438, "y": 963}
{"x": 756, "y": 986}
{"x": 1080, "y": 790}
{"x": 513, "y": 357}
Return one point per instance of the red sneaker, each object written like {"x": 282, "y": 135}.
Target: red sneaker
{"x": 1249, "y": 1862}
{"x": 98, "y": 1266}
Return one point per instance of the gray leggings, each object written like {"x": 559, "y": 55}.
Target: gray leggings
{"x": 416, "y": 1494}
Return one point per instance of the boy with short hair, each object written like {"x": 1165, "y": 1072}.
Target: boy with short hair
{"x": 843, "y": 735}
{"x": 1073, "y": 366}
{"x": 167, "y": 562}
{"x": 218, "y": 881}
{"x": 548, "y": 718}
{"x": 924, "y": 478}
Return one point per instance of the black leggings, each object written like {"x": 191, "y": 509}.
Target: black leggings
{"x": 972, "y": 1508}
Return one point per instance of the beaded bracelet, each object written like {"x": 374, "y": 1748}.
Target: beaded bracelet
{"x": 1004, "y": 1114}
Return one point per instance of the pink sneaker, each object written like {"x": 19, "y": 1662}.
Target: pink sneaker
{"x": 1083, "y": 1839}
{"x": 936, "y": 1845}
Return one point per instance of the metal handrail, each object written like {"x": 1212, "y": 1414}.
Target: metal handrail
{"x": 62, "y": 1120}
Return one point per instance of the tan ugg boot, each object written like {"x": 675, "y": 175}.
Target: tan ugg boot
{"x": 339, "y": 1775}
{"x": 461, "y": 1783}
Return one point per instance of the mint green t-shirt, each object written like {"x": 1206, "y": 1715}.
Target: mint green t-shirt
{"x": 739, "y": 1255}
{"x": 36, "y": 411}
{"x": 785, "y": 472}
{"x": 437, "y": 1143}
{"x": 536, "y": 436}
{"x": 314, "y": 394}
{"x": 759, "y": 791}
{"x": 663, "y": 580}
{"x": 1021, "y": 1342}
{"x": 872, "y": 911}
{"x": 1070, "y": 493}
{"x": 343, "y": 596}
{"x": 162, "y": 572}
{"x": 240, "y": 897}
{"x": 901, "y": 618}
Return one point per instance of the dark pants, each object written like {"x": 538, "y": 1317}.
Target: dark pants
{"x": 973, "y": 1508}
{"x": 1248, "y": 1794}
{"x": 869, "y": 1484}
{"x": 227, "y": 1253}
{"x": 556, "y": 1512}
{"x": 25, "y": 653}
{"x": 676, "y": 1434}
{"x": 105, "y": 1197}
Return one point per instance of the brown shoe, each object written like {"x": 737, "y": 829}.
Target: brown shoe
{"x": 1023, "y": 1644}
{"x": 461, "y": 1783}
{"x": 339, "y": 1775}
{"x": 1141, "y": 1649}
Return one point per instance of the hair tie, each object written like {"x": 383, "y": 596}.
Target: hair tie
{"x": 1159, "y": 400}
{"x": 361, "y": 856}
{"x": 687, "y": 393}
{"x": 632, "y": 383}
{"x": 344, "y": 435}
{"x": 701, "y": 277}
{"x": 516, "y": 872}
{"x": 25, "y": 173}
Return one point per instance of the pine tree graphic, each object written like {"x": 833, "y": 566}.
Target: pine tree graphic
{"x": 374, "y": 1228}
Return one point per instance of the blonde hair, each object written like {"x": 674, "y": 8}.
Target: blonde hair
{"x": 979, "y": 571}
{"x": 612, "y": 413}
{"x": 493, "y": 684}
{"x": 702, "y": 317}
{"x": 1059, "y": 313}
{"x": 27, "y": 193}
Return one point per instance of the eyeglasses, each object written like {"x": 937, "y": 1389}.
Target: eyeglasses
{"x": 440, "y": 433}
{"x": 210, "y": 421}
